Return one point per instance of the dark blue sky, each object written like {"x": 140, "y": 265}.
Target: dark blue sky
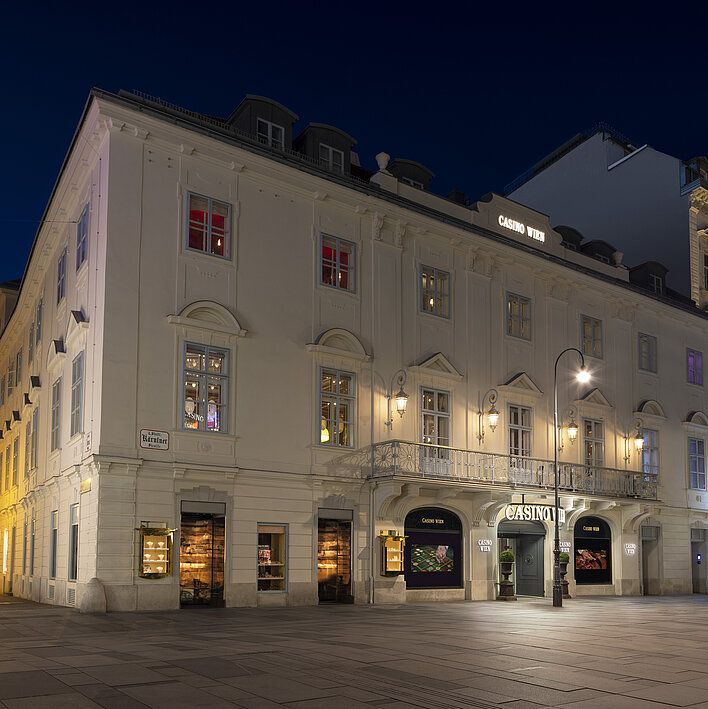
{"x": 476, "y": 95}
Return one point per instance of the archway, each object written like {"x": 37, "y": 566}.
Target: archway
{"x": 526, "y": 540}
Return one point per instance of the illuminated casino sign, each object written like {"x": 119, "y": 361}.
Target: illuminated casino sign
{"x": 534, "y": 513}
{"x": 521, "y": 228}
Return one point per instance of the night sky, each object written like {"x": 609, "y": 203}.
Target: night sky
{"x": 476, "y": 95}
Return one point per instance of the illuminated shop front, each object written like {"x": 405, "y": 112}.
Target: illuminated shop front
{"x": 593, "y": 551}
{"x": 433, "y": 550}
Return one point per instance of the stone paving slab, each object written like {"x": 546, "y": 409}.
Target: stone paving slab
{"x": 594, "y": 653}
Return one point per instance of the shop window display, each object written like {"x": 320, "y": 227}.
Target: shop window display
{"x": 271, "y": 557}
{"x": 201, "y": 568}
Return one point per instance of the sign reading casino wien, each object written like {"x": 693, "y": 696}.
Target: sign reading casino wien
{"x": 534, "y": 513}
{"x": 521, "y": 228}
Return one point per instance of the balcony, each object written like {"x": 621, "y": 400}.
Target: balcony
{"x": 505, "y": 472}
{"x": 694, "y": 174}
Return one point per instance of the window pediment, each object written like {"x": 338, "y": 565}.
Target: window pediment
{"x": 340, "y": 342}
{"x": 696, "y": 418}
{"x": 77, "y": 328}
{"x": 438, "y": 365}
{"x": 596, "y": 397}
{"x": 204, "y": 316}
{"x": 651, "y": 409}
{"x": 522, "y": 383}
{"x": 56, "y": 354}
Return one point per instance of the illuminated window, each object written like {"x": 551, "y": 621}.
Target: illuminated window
{"x": 77, "y": 393}
{"x": 592, "y": 336}
{"x": 337, "y": 402}
{"x": 519, "y": 430}
{"x": 650, "y": 452}
{"x": 435, "y": 291}
{"x": 206, "y": 387}
{"x": 270, "y": 133}
{"x": 272, "y": 557}
{"x": 208, "y": 225}
{"x": 331, "y": 158}
{"x": 337, "y": 263}
{"x": 82, "y": 238}
{"x": 61, "y": 277}
{"x": 518, "y": 316}
{"x": 435, "y": 412}
{"x": 694, "y": 367}
{"x": 697, "y": 463}
{"x": 647, "y": 352}
{"x": 594, "y": 441}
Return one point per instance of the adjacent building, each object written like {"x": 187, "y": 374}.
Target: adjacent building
{"x": 241, "y": 368}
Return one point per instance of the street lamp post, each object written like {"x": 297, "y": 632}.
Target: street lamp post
{"x": 582, "y": 376}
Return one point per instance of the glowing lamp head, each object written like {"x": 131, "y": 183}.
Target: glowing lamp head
{"x": 401, "y": 402}
{"x": 572, "y": 431}
{"x": 324, "y": 433}
{"x": 583, "y": 376}
{"x": 492, "y": 417}
{"x": 638, "y": 442}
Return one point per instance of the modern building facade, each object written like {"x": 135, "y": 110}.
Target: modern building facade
{"x": 646, "y": 203}
{"x": 200, "y": 379}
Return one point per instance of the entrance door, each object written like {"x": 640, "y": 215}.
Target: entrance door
{"x": 201, "y": 559}
{"x": 529, "y": 565}
{"x": 334, "y": 561}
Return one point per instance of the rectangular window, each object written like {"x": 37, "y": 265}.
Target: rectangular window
{"x": 10, "y": 376}
{"x": 697, "y": 463}
{"x": 8, "y": 455}
{"x": 270, "y": 134}
{"x": 2, "y": 391}
{"x": 656, "y": 283}
{"x": 30, "y": 344}
{"x": 337, "y": 401}
{"x": 77, "y": 393}
{"x": 3, "y": 484}
{"x": 594, "y": 435}
{"x": 15, "y": 459}
{"x": 56, "y": 413}
{"x": 206, "y": 388}
{"x": 35, "y": 438}
{"x": 24, "y": 547}
{"x": 331, "y": 158}
{"x": 73, "y": 542}
{"x": 412, "y": 183}
{"x": 82, "y": 238}
{"x": 61, "y": 277}
{"x": 518, "y": 316}
{"x": 28, "y": 438}
{"x": 592, "y": 336}
{"x": 435, "y": 291}
{"x": 53, "y": 539}
{"x": 272, "y": 557}
{"x": 38, "y": 328}
{"x": 18, "y": 368}
{"x": 705, "y": 271}
{"x": 208, "y": 225}
{"x": 337, "y": 263}
{"x": 519, "y": 430}
{"x": 650, "y": 452}
{"x": 694, "y": 367}
{"x": 32, "y": 541}
{"x": 647, "y": 353}
{"x": 435, "y": 411}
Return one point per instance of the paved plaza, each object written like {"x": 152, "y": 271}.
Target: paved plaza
{"x": 596, "y": 652}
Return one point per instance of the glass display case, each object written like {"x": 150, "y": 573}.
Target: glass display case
{"x": 334, "y": 561}
{"x": 202, "y": 544}
{"x": 271, "y": 557}
{"x": 392, "y": 544}
{"x": 155, "y": 550}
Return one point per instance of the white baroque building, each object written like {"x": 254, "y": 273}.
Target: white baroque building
{"x": 198, "y": 382}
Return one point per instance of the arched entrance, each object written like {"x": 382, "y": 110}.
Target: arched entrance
{"x": 593, "y": 551}
{"x": 526, "y": 540}
{"x": 433, "y": 551}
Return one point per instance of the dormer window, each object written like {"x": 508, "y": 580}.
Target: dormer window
{"x": 656, "y": 283}
{"x": 331, "y": 158}
{"x": 270, "y": 134}
{"x": 412, "y": 183}
{"x": 602, "y": 258}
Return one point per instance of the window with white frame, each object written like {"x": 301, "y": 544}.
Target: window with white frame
{"x": 2, "y": 391}
{"x": 592, "y": 336}
{"x": 435, "y": 412}
{"x": 412, "y": 183}
{"x": 28, "y": 437}
{"x": 2, "y": 479}
{"x": 77, "y": 393}
{"x": 337, "y": 407}
{"x": 206, "y": 388}
{"x": 270, "y": 133}
{"x": 53, "y": 541}
{"x": 24, "y": 547}
{"x": 18, "y": 368}
{"x": 697, "y": 463}
{"x": 11, "y": 376}
{"x": 694, "y": 367}
{"x": 15, "y": 459}
{"x": 520, "y": 430}
{"x": 518, "y": 316}
{"x": 208, "y": 225}
{"x": 435, "y": 291}
{"x": 331, "y": 158}
{"x": 56, "y": 413}
{"x": 594, "y": 442}
{"x": 61, "y": 277}
{"x": 337, "y": 263}
{"x": 650, "y": 452}
{"x": 30, "y": 344}
{"x": 647, "y": 353}
{"x": 73, "y": 543}
{"x": 8, "y": 456}
{"x": 35, "y": 438}
{"x": 33, "y": 525}
{"x": 82, "y": 238}
{"x": 38, "y": 320}
{"x": 656, "y": 283}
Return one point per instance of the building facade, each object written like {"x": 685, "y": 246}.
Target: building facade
{"x": 200, "y": 378}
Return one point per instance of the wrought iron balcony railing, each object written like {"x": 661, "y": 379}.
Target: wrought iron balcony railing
{"x": 506, "y": 471}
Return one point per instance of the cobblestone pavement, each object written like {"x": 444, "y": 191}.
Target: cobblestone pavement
{"x": 596, "y": 652}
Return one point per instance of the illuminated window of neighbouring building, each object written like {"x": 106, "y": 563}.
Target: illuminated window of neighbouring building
{"x": 206, "y": 387}
{"x": 435, "y": 291}
{"x": 337, "y": 401}
{"x": 592, "y": 336}
{"x": 694, "y": 367}
{"x": 697, "y": 463}
{"x": 337, "y": 263}
{"x": 518, "y": 316}
{"x": 208, "y": 225}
